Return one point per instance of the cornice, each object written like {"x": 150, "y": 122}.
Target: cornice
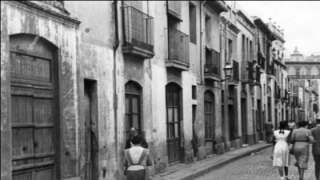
{"x": 36, "y": 7}
{"x": 240, "y": 13}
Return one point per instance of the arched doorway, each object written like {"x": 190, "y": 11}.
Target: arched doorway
{"x": 133, "y": 106}
{"x": 209, "y": 121}
{"x": 244, "y": 117}
{"x": 173, "y": 111}
{"x": 35, "y": 107}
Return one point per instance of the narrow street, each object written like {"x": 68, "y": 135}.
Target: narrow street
{"x": 256, "y": 167}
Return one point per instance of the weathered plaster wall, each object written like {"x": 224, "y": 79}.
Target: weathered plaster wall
{"x": 6, "y": 154}
{"x": 23, "y": 19}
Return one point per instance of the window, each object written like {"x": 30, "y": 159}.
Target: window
{"x": 251, "y": 50}
{"x": 243, "y": 48}
{"x": 193, "y": 23}
{"x": 230, "y": 45}
{"x": 132, "y": 108}
{"x": 194, "y": 92}
{"x": 208, "y": 31}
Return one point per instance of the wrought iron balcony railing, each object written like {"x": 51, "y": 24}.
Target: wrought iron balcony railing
{"x": 236, "y": 72}
{"x": 247, "y": 74}
{"x": 178, "y": 47}
{"x": 138, "y": 32}
{"x": 212, "y": 65}
{"x": 271, "y": 69}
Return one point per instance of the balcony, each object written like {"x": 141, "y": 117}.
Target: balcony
{"x": 138, "y": 33}
{"x": 178, "y": 47}
{"x": 247, "y": 72}
{"x": 277, "y": 93}
{"x": 261, "y": 61}
{"x": 256, "y": 71}
{"x": 212, "y": 65}
{"x": 235, "y": 78}
{"x": 271, "y": 71}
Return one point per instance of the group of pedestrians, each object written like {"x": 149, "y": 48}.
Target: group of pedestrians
{"x": 289, "y": 139}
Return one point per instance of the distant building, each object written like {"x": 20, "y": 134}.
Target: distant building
{"x": 304, "y": 74}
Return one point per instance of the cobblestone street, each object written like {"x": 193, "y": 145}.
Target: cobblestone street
{"x": 257, "y": 167}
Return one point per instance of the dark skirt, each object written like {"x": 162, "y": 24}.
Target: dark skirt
{"x": 301, "y": 153}
{"x": 136, "y": 175}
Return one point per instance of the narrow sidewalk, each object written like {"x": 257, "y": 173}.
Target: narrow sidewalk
{"x": 199, "y": 168}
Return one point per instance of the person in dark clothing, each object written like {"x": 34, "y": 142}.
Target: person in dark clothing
{"x": 134, "y": 132}
{"x": 269, "y": 131}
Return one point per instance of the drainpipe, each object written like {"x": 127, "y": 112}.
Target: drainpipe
{"x": 115, "y": 96}
{"x": 201, "y": 33}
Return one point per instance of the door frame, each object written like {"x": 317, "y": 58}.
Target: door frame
{"x": 178, "y": 90}
{"x": 54, "y": 57}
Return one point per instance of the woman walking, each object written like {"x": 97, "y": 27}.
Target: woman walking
{"x": 281, "y": 150}
{"x": 137, "y": 158}
{"x": 300, "y": 139}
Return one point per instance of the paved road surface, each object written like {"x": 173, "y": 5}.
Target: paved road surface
{"x": 257, "y": 167}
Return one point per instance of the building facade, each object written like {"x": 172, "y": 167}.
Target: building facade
{"x": 304, "y": 74}
{"x": 73, "y": 83}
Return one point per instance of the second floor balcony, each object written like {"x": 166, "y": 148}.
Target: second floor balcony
{"x": 247, "y": 72}
{"x": 178, "y": 47}
{"x": 212, "y": 65}
{"x": 235, "y": 78}
{"x": 138, "y": 33}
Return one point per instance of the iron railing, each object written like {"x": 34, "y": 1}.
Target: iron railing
{"x": 235, "y": 75}
{"x": 257, "y": 78}
{"x": 212, "y": 65}
{"x": 271, "y": 69}
{"x": 247, "y": 71}
{"x": 178, "y": 46}
{"x": 138, "y": 28}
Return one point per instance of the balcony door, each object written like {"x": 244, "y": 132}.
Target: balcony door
{"x": 173, "y": 108}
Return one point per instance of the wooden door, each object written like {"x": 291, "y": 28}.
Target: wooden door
{"x": 173, "y": 123}
{"x": 244, "y": 119}
{"x": 209, "y": 122}
{"x": 33, "y": 116}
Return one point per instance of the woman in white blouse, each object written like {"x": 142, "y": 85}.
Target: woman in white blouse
{"x": 137, "y": 158}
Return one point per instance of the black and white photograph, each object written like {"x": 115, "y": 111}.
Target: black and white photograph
{"x": 160, "y": 90}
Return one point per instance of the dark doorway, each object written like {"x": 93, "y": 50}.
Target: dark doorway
{"x": 173, "y": 106}
{"x": 91, "y": 132}
{"x": 209, "y": 121}
{"x": 232, "y": 123}
{"x": 194, "y": 135}
{"x": 259, "y": 120}
{"x": 244, "y": 118}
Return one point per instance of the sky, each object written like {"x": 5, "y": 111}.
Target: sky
{"x": 299, "y": 19}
